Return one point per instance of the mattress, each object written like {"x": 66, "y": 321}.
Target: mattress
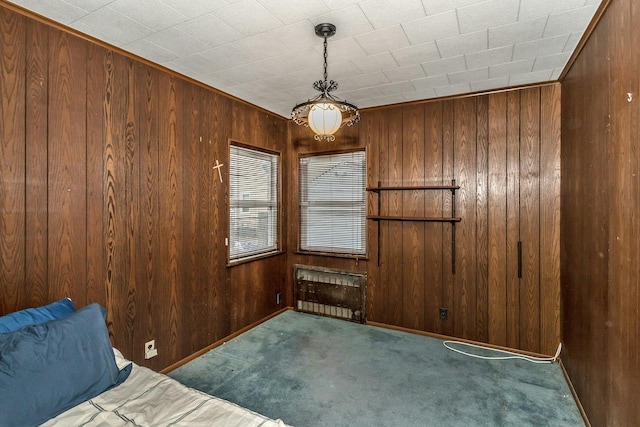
{"x": 148, "y": 398}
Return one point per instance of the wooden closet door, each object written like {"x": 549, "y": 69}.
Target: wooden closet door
{"x": 529, "y": 216}
{"x": 514, "y": 223}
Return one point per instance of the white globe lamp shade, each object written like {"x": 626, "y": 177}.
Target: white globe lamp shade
{"x": 324, "y": 118}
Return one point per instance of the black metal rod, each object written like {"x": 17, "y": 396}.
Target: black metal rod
{"x": 453, "y": 248}
{"x": 379, "y": 225}
{"x": 453, "y": 227}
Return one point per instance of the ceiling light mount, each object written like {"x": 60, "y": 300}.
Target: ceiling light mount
{"x": 325, "y": 113}
{"x": 325, "y": 30}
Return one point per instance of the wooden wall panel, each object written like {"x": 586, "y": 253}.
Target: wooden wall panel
{"x": 385, "y": 236}
{"x": 497, "y": 220}
{"x": 12, "y": 161}
{"x": 370, "y": 125}
{"x": 191, "y": 298}
{"x": 413, "y": 205}
{"x": 67, "y": 150}
{"x": 465, "y": 131}
{"x": 392, "y": 205}
{"x": 171, "y": 213}
{"x": 512, "y": 222}
{"x": 529, "y": 219}
{"x": 147, "y": 325}
{"x": 435, "y": 268}
{"x": 108, "y": 195}
{"x": 114, "y": 187}
{"x": 482, "y": 203}
{"x": 448, "y": 158}
{"x": 550, "y": 113}
{"x": 599, "y": 228}
{"x": 624, "y": 201}
{"x": 36, "y": 280}
{"x": 584, "y": 238}
{"x": 96, "y": 238}
{"x": 219, "y": 283}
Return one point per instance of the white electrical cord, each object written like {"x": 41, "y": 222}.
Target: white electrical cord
{"x": 511, "y": 355}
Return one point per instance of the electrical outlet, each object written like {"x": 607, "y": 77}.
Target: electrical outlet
{"x": 150, "y": 349}
{"x": 444, "y": 313}
{"x": 278, "y": 297}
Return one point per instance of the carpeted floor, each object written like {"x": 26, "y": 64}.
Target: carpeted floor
{"x": 315, "y": 371}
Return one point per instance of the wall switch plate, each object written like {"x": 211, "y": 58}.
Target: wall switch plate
{"x": 150, "y": 349}
{"x": 444, "y": 313}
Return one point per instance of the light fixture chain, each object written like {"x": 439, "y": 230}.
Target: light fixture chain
{"x": 326, "y": 76}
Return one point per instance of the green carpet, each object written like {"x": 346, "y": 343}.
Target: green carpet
{"x": 314, "y": 371}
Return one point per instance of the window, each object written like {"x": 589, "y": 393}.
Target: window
{"x": 333, "y": 206}
{"x": 253, "y": 202}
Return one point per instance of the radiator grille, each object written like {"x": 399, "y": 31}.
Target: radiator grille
{"x": 329, "y": 292}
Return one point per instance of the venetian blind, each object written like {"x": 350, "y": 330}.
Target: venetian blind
{"x": 333, "y": 203}
{"x": 253, "y": 202}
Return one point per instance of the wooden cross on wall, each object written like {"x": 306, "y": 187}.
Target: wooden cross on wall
{"x": 219, "y": 166}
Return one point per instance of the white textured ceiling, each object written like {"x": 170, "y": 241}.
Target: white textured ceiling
{"x": 384, "y": 51}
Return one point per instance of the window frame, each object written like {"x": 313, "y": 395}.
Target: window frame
{"x": 351, "y": 255}
{"x": 279, "y": 209}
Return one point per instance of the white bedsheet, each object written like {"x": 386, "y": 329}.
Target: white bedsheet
{"x": 148, "y": 398}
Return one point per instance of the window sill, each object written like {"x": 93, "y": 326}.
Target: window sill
{"x": 254, "y": 258}
{"x": 333, "y": 255}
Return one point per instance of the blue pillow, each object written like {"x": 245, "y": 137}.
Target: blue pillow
{"x": 48, "y": 368}
{"x": 34, "y": 316}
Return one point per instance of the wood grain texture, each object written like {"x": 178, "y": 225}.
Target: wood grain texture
{"x": 375, "y": 300}
{"x": 66, "y": 181}
{"x": 433, "y": 256}
{"x": 147, "y": 325}
{"x": 131, "y": 203}
{"x": 465, "y": 149}
{"x": 12, "y": 162}
{"x": 219, "y": 284}
{"x": 497, "y": 216}
{"x": 550, "y": 113}
{"x": 115, "y": 119}
{"x": 413, "y": 205}
{"x": 529, "y": 218}
{"x": 191, "y": 298}
{"x": 585, "y": 187}
{"x": 624, "y": 226}
{"x": 482, "y": 203}
{"x": 393, "y": 206}
{"x": 385, "y": 236}
{"x": 448, "y": 158}
{"x": 95, "y": 244}
{"x": 512, "y": 219}
{"x": 36, "y": 256}
{"x": 171, "y": 213}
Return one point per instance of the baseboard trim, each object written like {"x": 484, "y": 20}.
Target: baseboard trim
{"x": 447, "y": 337}
{"x": 575, "y": 395}
{"x": 221, "y": 341}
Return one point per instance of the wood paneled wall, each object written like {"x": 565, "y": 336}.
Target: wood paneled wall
{"x": 504, "y": 151}
{"x": 600, "y": 228}
{"x": 108, "y": 193}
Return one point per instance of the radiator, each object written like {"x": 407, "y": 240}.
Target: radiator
{"x": 329, "y": 292}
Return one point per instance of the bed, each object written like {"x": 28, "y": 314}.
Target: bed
{"x": 59, "y": 369}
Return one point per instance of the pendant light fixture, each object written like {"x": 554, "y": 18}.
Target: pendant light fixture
{"x": 325, "y": 113}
